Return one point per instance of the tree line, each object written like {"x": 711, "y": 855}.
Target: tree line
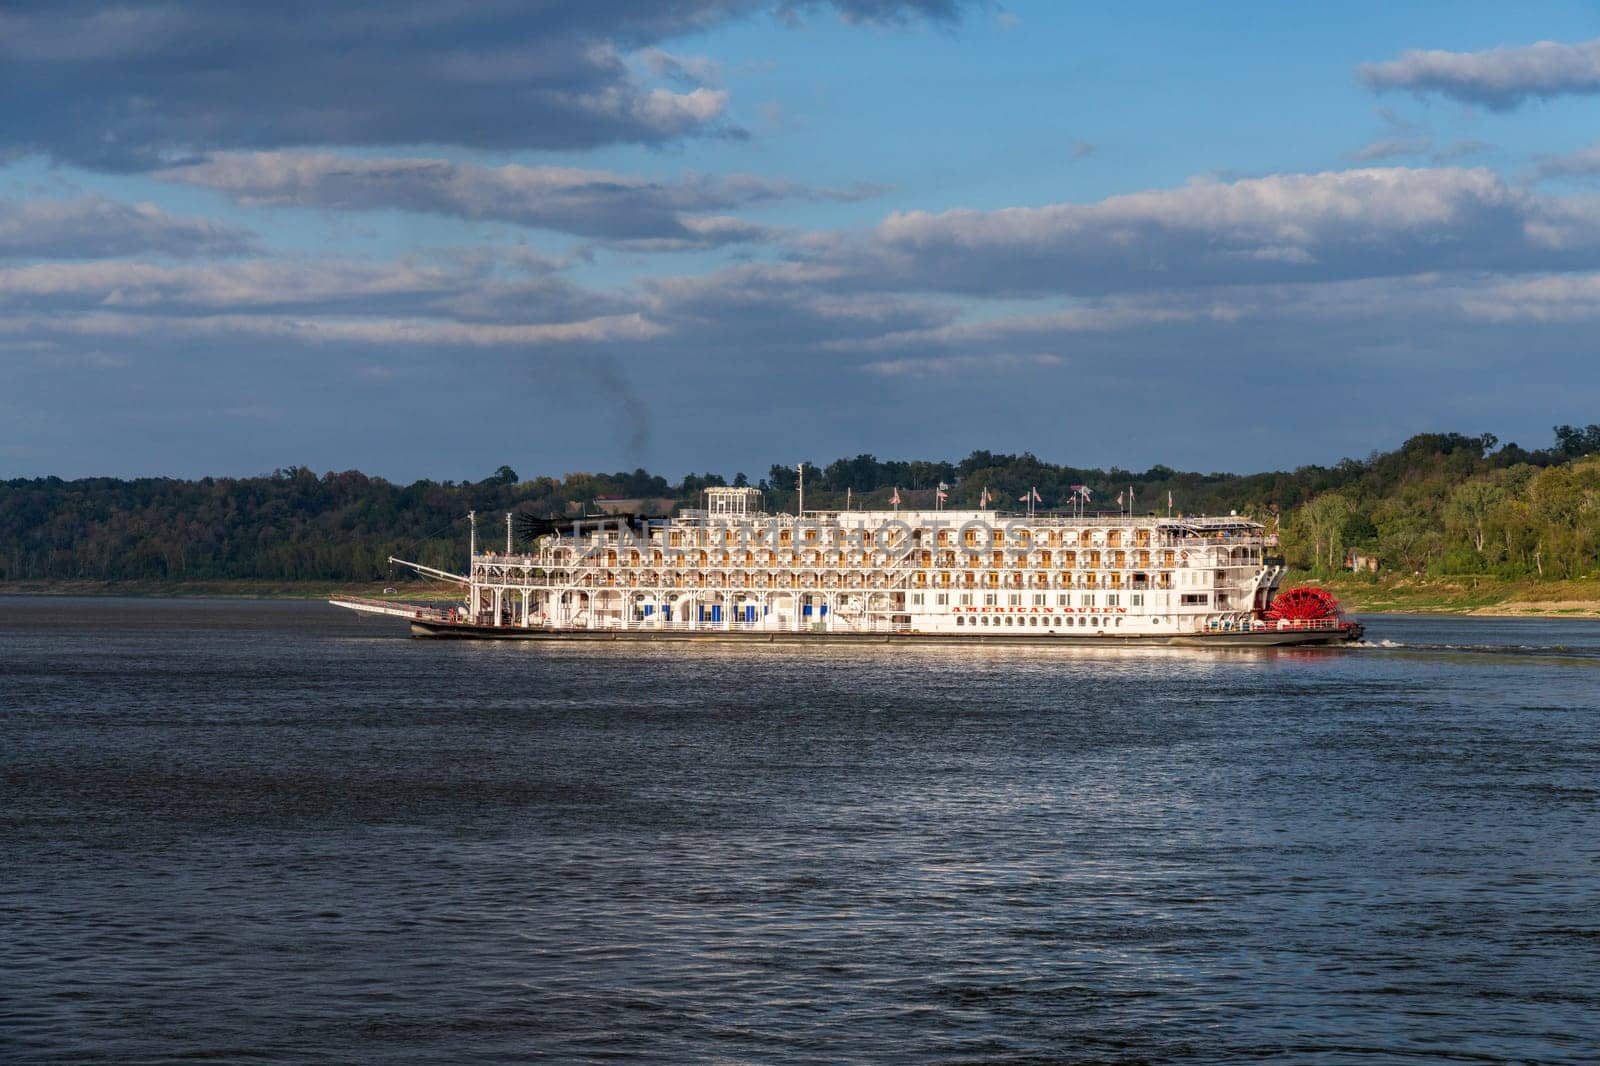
{"x": 1442, "y": 503}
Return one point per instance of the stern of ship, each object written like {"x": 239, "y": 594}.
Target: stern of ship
{"x": 1312, "y": 613}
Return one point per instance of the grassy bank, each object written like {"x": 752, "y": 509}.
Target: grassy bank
{"x": 1463, "y": 594}
{"x": 1366, "y": 594}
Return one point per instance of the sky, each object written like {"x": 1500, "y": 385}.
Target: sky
{"x": 424, "y": 239}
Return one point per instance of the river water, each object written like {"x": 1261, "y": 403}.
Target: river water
{"x": 280, "y": 833}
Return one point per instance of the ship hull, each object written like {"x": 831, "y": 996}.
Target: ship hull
{"x": 1253, "y": 639}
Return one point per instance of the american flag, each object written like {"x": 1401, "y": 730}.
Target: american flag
{"x": 983, "y": 498}
{"x": 1036, "y": 497}
{"x": 942, "y": 492}
{"x": 894, "y": 500}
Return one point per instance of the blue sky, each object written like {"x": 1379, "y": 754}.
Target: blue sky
{"x": 427, "y": 239}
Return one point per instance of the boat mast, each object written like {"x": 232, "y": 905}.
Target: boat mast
{"x": 472, "y": 563}
{"x": 508, "y": 532}
{"x": 801, "y": 468}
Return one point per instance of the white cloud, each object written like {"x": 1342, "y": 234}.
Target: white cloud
{"x": 1585, "y": 162}
{"x": 475, "y": 289}
{"x": 372, "y": 330}
{"x": 1371, "y": 222}
{"x": 685, "y": 70}
{"x": 91, "y": 227}
{"x": 706, "y": 231}
{"x": 1108, "y": 317}
{"x": 592, "y": 203}
{"x": 1559, "y": 298}
{"x": 1499, "y": 78}
{"x": 959, "y": 364}
{"x": 1389, "y": 147}
{"x": 676, "y": 112}
{"x": 253, "y": 283}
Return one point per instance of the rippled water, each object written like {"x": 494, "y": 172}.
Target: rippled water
{"x": 275, "y": 832}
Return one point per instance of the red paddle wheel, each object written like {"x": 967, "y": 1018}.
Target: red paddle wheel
{"x": 1303, "y": 604}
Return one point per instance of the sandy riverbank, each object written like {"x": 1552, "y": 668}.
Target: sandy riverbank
{"x": 1557, "y": 609}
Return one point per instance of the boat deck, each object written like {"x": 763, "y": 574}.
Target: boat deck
{"x": 1220, "y": 638}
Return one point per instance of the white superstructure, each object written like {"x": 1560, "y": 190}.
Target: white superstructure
{"x": 729, "y": 566}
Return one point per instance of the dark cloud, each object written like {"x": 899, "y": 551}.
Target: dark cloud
{"x": 880, "y": 11}
{"x": 146, "y": 83}
{"x": 93, "y": 227}
{"x": 763, "y": 305}
{"x": 1364, "y": 288}
{"x": 1584, "y": 163}
{"x": 1499, "y": 78}
{"x": 889, "y": 290}
{"x": 1459, "y": 149}
{"x": 590, "y": 203}
{"x": 1418, "y": 144}
{"x": 688, "y": 71}
{"x": 1390, "y": 147}
{"x": 465, "y": 298}
{"x": 696, "y": 233}
{"x": 1079, "y": 391}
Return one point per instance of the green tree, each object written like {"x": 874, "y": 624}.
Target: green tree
{"x": 1406, "y": 540}
{"x": 1469, "y": 510}
{"x": 1323, "y": 523}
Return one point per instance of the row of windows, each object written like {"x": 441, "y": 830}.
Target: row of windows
{"x": 762, "y": 533}
{"x": 1040, "y": 599}
{"x": 1003, "y": 560}
{"x": 1034, "y": 621}
{"x": 947, "y": 561}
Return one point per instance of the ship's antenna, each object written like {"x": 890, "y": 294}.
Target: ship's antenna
{"x": 472, "y": 563}
{"x": 801, "y": 468}
{"x": 508, "y": 532}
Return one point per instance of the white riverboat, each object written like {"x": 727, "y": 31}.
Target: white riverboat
{"x": 731, "y": 571}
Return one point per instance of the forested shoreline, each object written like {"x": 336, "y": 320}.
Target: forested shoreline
{"x": 1442, "y": 504}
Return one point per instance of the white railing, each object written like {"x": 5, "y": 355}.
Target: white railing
{"x": 1285, "y": 625}
{"x": 405, "y": 610}
{"x": 657, "y": 624}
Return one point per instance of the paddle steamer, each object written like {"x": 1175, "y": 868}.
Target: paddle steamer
{"x": 730, "y": 571}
